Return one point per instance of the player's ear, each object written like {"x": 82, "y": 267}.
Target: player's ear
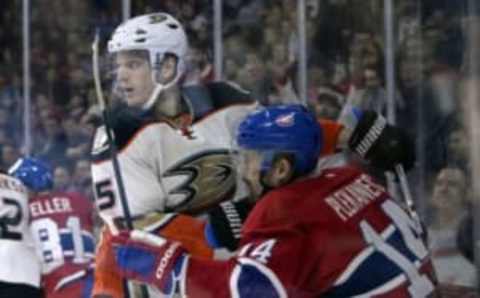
{"x": 281, "y": 172}
{"x": 169, "y": 68}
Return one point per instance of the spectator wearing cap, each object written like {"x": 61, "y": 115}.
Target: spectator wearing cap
{"x": 328, "y": 104}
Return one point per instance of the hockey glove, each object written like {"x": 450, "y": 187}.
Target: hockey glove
{"x": 149, "y": 259}
{"x": 381, "y": 144}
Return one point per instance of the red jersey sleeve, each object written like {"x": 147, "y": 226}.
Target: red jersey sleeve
{"x": 277, "y": 258}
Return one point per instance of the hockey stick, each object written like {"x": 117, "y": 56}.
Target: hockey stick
{"x": 113, "y": 150}
{"x": 407, "y": 194}
{"x": 111, "y": 143}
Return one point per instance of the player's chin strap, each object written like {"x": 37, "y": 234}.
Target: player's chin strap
{"x": 153, "y": 98}
{"x": 159, "y": 88}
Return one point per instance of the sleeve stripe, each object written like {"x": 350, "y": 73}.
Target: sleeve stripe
{"x": 269, "y": 274}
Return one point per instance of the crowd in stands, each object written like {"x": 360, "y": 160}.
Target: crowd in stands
{"x": 346, "y": 61}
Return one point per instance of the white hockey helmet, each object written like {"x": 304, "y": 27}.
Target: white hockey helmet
{"x": 158, "y": 34}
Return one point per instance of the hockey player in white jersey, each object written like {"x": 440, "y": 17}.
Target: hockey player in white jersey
{"x": 173, "y": 143}
{"x": 20, "y": 268}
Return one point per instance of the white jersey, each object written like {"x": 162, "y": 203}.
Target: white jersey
{"x": 19, "y": 263}
{"x": 168, "y": 169}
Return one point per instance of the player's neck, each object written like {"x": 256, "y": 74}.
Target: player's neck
{"x": 169, "y": 105}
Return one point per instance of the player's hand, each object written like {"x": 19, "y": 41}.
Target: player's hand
{"x": 149, "y": 259}
{"x": 381, "y": 144}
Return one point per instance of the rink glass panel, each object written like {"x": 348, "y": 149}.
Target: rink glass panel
{"x": 436, "y": 85}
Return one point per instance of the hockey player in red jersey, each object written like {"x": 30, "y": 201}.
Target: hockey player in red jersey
{"x": 61, "y": 224}
{"x": 173, "y": 142}
{"x": 329, "y": 232}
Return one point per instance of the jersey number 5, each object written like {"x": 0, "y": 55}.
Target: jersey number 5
{"x": 105, "y": 197}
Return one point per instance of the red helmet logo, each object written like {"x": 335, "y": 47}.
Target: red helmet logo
{"x": 286, "y": 120}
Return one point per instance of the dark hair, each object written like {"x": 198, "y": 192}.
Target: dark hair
{"x": 142, "y": 54}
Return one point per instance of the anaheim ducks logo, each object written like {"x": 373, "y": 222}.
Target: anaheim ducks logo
{"x": 210, "y": 179}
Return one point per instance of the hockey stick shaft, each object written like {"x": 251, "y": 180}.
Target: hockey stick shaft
{"x": 112, "y": 146}
{"x": 407, "y": 194}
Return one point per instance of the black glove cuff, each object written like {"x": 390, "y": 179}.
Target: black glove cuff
{"x": 366, "y": 133}
{"x": 226, "y": 221}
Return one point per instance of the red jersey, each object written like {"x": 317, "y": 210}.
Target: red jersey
{"x": 336, "y": 235}
{"x": 62, "y": 227}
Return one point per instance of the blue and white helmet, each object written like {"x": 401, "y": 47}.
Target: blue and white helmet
{"x": 282, "y": 129}
{"x": 34, "y": 173}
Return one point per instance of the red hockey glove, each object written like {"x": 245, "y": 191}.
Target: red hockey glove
{"x": 149, "y": 259}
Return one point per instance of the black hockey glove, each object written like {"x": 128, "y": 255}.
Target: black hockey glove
{"x": 381, "y": 144}
{"x": 224, "y": 224}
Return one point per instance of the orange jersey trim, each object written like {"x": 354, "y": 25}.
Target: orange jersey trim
{"x": 331, "y": 132}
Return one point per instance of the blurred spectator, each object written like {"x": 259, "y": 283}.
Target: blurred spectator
{"x": 62, "y": 179}
{"x": 10, "y": 86}
{"x": 234, "y": 47}
{"x": 77, "y": 139}
{"x": 373, "y": 95}
{"x": 5, "y": 120}
{"x": 420, "y": 114}
{"x": 253, "y": 76}
{"x": 279, "y": 69}
{"x": 458, "y": 149}
{"x": 318, "y": 76}
{"x": 55, "y": 141}
{"x": 249, "y": 13}
{"x": 9, "y": 155}
{"x": 449, "y": 204}
{"x": 328, "y": 104}
{"x": 365, "y": 51}
{"x": 4, "y": 139}
{"x": 77, "y": 107}
{"x": 231, "y": 68}
{"x": 199, "y": 67}
{"x": 82, "y": 181}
